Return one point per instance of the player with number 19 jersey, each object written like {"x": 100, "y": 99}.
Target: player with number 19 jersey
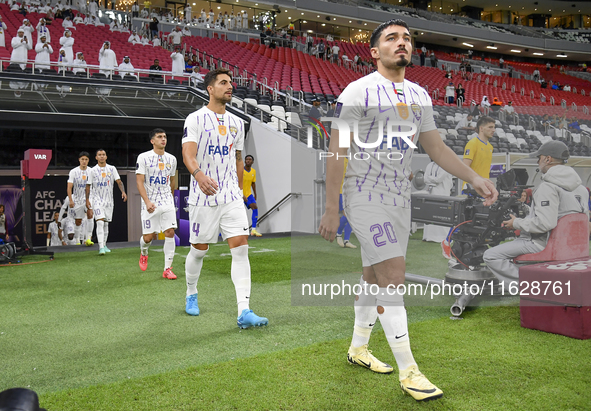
{"x": 158, "y": 170}
{"x": 217, "y": 138}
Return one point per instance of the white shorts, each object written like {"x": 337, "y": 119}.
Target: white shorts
{"x": 163, "y": 218}
{"x": 382, "y": 231}
{"x": 207, "y": 222}
{"x": 79, "y": 211}
{"x": 102, "y": 212}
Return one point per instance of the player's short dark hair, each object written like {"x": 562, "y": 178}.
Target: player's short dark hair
{"x": 249, "y": 155}
{"x": 213, "y": 75}
{"x": 100, "y": 149}
{"x": 156, "y": 131}
{"x": 84, "y": 153}
{"x": 375, "y": 36}
{"x": 483, "y": 121}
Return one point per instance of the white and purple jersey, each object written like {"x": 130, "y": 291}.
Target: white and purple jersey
{"x": 217, "y": 137}
{"x": 157, "y": 170}
{"x": 101, "y": 181}
{"x": 53, "y": 229}
{"x": 78, "y": 178}
{"x": 380, "y": 174}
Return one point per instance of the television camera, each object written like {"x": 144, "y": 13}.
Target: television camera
{"x": 476, "y": 228}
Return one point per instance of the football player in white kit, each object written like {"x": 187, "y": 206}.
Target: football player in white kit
{"x": 54, "y": 232}
{"x": 376, "y": 194}
{"x": 79, "y": 205}
{"x": 213, "y": 140}
{"x": 155, "y": 179}
{"x": 99, "y": 189}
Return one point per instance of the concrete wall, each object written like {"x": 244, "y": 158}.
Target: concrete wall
{"x": 283, "y": 166}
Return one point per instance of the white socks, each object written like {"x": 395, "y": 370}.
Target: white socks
{"x": 89, "y": 228}
{"x": 365, "y": 315}
{"x": 77, "y": 231}
{"x": 143, "y": 245}
{"x": 240, "y": 272}
{"x": 395, "y": 324}
{"x": 100, "y": 233}
{"x": 169, "y": 247}
{"x": 106, "y": 232}
{"x": 193, "y": 266}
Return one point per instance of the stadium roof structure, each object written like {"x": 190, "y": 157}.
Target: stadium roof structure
{"x": 31, "y": 101}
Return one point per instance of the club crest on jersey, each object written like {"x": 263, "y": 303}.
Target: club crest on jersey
{"x": 103, "y": 175}
{"x": 168, "y": 166}
{"x": 416, "y": 109}
{"x": 83, "y": 177}
{"x": 233, "y": 131}
{"x": 160, "y": 166}
{"x": 402, "y": 110}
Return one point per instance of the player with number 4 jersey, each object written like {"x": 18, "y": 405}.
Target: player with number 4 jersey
{"x": 213, "y": 140}
{"x": 155, "y": 178}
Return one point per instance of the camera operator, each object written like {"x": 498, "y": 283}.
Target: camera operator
{"x": 559, "y": 194}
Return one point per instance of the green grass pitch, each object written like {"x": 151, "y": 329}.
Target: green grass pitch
{"x": 96, "y": 333}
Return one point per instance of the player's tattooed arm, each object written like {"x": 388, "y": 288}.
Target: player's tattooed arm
{"x": 122, "y": 188}
{"x": 238, "y": 155}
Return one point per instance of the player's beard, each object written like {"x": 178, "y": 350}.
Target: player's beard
{"x": 402, "y": 62}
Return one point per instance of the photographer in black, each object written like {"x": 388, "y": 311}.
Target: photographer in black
{"x": 559, "y": 194}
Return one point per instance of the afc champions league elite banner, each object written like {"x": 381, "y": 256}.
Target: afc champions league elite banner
{"x": 47, "y": 197}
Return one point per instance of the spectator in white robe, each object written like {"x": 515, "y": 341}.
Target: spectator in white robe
{"x": 245, "y": 20}
{"x": 126, "y": 68}
{"x": 186, "y": 32}
{"x": 188, "y": 12}
{"x": 93, "y": 8}
{"x": 67, "y": 43}
{"x": 43, "y": 57}
{"x": 81, "y": 6}
{"x": 3, "y": 28}
{"x": 134, "y": 38}
{"x": 67, "y": 24}
{"x": 28, "y": 28}
{"x": 196, "y": 77}
{"x": 113, "y": 26}
{"x": 107, "y": 59}
{"x": 20, "y": 48}
{"x": 175, "y": 36}
{"x": 178, "y": 61}
{"x": 78, "y": 19}
{"x": 63, "y": 62}
{"x": 97, "y": 22}
{"x": 79, "y": 65}
{"x": 43, "y": 30}
{"x": 156, "y": 42}
{"x": 145, "y": 40}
